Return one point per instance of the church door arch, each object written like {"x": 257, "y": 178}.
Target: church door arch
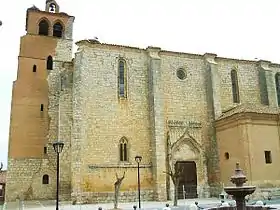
{"x": 188, "y": 179}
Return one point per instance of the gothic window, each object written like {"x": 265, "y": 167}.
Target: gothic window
{"x": 263, "y": 88}
{"x": 50, "y": 63}
{"x": 44, "y": 28}
{"x": 45, "y": 179}
{"x": 123, "y": 149}
{"x": 57, "y": 30}
{"x": 234, "y": 85}
{"x": 122, "y": 78}
{"x": 34, "y": 68}
{"x": 277, "y": 83}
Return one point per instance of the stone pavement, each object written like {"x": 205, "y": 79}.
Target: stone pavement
{"x": 50, "y": 205}
{"x": 153, "y": 205}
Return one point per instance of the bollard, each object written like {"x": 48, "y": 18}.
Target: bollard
{"x": 167, "y": 207}
{"x": 21, "y": 204}
{"x": 134, "y": 207}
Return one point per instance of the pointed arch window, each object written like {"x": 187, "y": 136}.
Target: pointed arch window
{"x": 45, "y": 179}
{"x": 50, "y": 63}
{"x": 57, "y": 30}
{"x": 122, "y": 78}
{"x": 235, "y": 87}
{"x": 44, "y": 28}
{"x": 263, "y": 87}
{"x": 277, "y": 83}
{"x": 123, "y": 149}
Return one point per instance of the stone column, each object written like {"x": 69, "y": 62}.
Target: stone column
{"x": 77, "y": 130}
{"x": 214, "y": 111}
{"x": 268, "y": 83}
{"x": 157, "y": 122}
{"x": 214, "y": 79}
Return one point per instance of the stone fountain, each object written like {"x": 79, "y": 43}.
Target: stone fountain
{"x": 239, "y": 191}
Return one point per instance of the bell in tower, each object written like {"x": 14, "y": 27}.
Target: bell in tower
{"x": 52, "y": 6}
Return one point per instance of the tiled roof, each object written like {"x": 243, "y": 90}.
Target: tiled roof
{"x": 249, "y": 108}
{"x": 3, "y": 176}
{"x": 94, "y": 41}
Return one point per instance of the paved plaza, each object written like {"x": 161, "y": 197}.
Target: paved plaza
{"x": 50, "y": 205}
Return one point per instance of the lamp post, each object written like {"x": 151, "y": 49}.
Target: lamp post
{"x": 138, "y": 160}
{"x": 58, "y": 147}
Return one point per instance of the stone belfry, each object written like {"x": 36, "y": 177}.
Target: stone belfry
{"x": 46, "y": 30}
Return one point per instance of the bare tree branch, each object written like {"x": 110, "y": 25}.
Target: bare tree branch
{"x": 173, "y": 172}
{"x": 117, "y": 185}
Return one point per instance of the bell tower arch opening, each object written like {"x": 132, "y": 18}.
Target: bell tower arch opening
{"x": 44, "y": 27}
{"x": 52, "y": 6}
{"x": 58, "y": 30}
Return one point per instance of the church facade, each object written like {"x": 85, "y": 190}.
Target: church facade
{"x": 198, "y": 114}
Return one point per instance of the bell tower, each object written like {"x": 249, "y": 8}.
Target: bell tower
{"x": 29, "y": 122}
{"x": 52, "y": 6}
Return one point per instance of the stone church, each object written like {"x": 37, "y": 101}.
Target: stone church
{"x": 197, "y": 114}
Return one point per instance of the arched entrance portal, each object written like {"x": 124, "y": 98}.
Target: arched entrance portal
{"x": 188, "y": 179}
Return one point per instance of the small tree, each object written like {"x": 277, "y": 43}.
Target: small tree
{"x": 117, "y": 189}
{"x": 173, "y": 172}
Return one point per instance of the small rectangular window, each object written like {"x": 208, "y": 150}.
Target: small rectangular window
{"x": 45, "y": 150}
{"x": 42, "y": 107}
{"x": 34, "y": 68}
{"x": 267, "y": 156}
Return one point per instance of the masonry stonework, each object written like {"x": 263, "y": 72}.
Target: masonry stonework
{"x": 170, "y": 97}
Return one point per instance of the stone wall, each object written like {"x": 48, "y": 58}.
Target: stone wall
{"x": 248, "y": 79}
{"x": 101, "y": 119}
{"x": 60, "y": 112}
{"x": 108, "y": 197}
{"x": 30, "y": 185}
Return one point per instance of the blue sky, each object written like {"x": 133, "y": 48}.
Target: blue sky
{"x": 230, "y": 28}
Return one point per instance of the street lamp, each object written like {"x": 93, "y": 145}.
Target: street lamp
{"x": 138, "y": 160}
{"x": 58, "y": 147}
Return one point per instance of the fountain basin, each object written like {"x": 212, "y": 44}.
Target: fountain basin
{"x": 240, "y": 191}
